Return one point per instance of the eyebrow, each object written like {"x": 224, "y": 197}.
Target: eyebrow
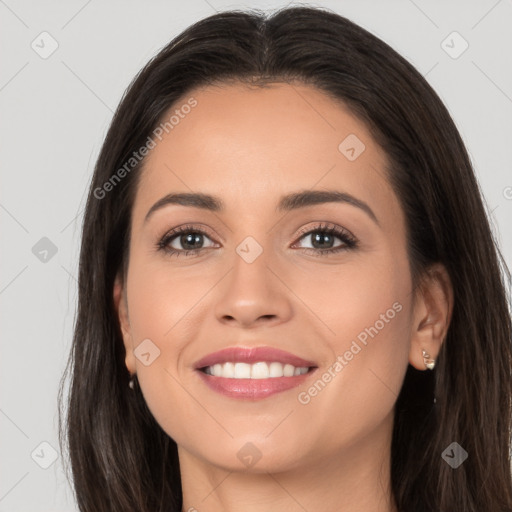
{"x": 287, "y": 203}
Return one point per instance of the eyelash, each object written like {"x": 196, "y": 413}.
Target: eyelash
{"x": 347, "y": 238}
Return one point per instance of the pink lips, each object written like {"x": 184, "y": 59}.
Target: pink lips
{"x": 252, "y": 388}
{"x": 251, "y": 355}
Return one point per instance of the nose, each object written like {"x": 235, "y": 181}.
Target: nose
{"x": 253, "y": 294}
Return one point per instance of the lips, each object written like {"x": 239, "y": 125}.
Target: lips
{"x": 252, "y": 388}
{"x": 252, "y": 355}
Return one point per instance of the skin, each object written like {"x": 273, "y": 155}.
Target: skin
{"x": 250, "y": 146}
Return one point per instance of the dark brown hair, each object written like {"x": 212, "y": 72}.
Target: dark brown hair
{"x": 121, "y": 459}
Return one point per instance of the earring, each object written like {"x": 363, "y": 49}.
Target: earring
{"x": 429, "y": 363}
{"x": 131, "y": 383}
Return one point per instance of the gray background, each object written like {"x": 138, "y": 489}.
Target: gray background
{"x": 55, "y": 113}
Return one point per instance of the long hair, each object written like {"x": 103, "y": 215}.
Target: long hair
{"x": 121, "y": 459}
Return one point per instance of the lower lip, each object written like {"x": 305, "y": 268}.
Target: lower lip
{"x": 252, "y": 389}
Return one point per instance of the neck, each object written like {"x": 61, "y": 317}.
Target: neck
{"x": 355, "y": 479}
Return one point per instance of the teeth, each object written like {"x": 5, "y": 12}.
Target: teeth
{"x": 260, "y": 370}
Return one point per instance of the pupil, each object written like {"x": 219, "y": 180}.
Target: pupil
{"x": 189, "y": 239}
{"x": 319, "y": 237}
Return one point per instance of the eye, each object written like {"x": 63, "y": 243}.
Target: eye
{"x": 189, "y": 240}
{"x": 188, "y": 237}
{"x": 324, "y": 236}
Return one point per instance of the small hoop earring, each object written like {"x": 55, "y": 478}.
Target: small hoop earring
{"x": 131, "y": 383}
{"x": 429, "y": 363}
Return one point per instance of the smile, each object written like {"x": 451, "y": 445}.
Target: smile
{"x": 253, "y": 373}
{"x": 253, "y": 381}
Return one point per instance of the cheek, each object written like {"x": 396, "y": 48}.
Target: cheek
{"x": 164, "y": 298}
{"x": 361, "y": 294}
{"x": 161, "y": 308}
{"x": 368, "y": 312}
{"x": 165, "y": 307}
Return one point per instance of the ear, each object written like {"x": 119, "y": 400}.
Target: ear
{"x": 432, "y": 313}
{"x": 121, "y": 307}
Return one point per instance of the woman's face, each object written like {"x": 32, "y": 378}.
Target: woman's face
{"x": 258, "y": 279}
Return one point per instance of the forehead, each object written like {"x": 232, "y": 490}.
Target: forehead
{"x": 251, "y": 145}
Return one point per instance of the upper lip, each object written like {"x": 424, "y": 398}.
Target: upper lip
{"x": 252, "y": 355}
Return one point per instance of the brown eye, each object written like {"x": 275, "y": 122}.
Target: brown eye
{"x": 184, "y": 239}
{"x": 323, "y": 237}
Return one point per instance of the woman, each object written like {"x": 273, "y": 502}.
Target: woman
{"x": 218, "y": 362}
